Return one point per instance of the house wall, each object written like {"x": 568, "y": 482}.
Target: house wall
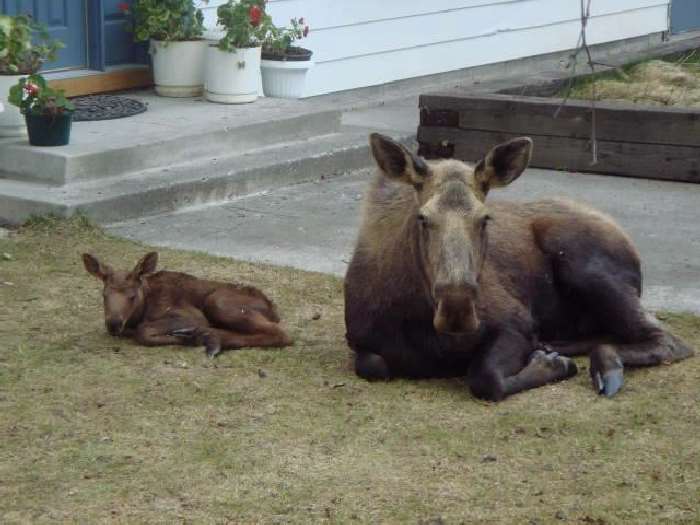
{"x": 359, "y": 43}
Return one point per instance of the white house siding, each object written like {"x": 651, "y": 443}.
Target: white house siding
{"x": 359, "y": 43}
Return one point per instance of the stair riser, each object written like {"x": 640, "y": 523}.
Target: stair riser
{"x": 223, "y": 189}
{"x": 15, "y": 210}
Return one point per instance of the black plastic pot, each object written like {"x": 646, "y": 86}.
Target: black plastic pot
{"x": 293, "y": 54}
{"x": 48, "y": 130}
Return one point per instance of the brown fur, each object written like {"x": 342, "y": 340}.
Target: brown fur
{"x": 436, "y": 289}
{"x": 171, "y": 308}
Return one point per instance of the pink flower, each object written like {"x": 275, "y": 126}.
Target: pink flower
{"x": 306, "y": 31}
{"x": 301, "y": 21}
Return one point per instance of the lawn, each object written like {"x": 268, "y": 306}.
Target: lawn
{"x": 95, "y": 429}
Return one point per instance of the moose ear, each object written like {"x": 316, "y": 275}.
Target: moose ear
{"x": 397, "y": 162}
{"x": 504, "y": 163}
{"x": 95, "y": 267}
{"x": 147, "y": 264}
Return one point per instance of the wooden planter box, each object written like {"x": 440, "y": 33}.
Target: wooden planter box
{"x": 634, "y": 141}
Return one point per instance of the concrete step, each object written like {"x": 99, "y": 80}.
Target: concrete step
{"x": 97, "y": 154}
{"x": 194, "y": 183}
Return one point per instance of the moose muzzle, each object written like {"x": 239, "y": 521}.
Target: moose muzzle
{"x": 455, "y": 312}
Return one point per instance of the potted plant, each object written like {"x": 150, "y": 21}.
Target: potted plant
{"x": 20, "y": 55}
{"x": 174, "y": 29}
{"x": 47, "y": 112}
{"x": 233, "y": 64}
{"x": 284, "y": 66}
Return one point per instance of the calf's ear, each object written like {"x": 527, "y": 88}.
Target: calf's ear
{"x": 95, "y": 267}
{"x": 503, "y": 164}
{"x": 147, "y": 264}
{"x": 397, "y": 162}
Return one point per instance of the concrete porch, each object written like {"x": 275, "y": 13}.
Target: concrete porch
{"x": 181, "y": 152}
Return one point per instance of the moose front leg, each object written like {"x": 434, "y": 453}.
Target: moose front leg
{"x": 509, "y": 366}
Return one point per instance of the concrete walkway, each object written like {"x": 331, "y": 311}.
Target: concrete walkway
{"x": 313, "y": 225}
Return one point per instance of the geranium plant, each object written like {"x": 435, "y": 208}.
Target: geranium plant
{"x": 24, "y": 45}
{"x": 33, "y": 96}
{"x": 280, "y": 39}
{"x": 164, "y": 20}
{"x": 246, "y": 24}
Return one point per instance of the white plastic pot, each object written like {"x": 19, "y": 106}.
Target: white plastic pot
{"x": 11, "y": 120}
{"x": 284, "y": 79}
{"x": 232, "y": 78}
{"x": 178, "y": 67}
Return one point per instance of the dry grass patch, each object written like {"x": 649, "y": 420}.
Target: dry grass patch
{"x": 654, "y": 83}
{"x": 96, "y": 429}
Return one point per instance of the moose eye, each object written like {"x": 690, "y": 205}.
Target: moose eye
{"x": 422, "y": 220}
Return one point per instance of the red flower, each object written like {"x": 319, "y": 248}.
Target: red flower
{"x": 306, "y": 31}
{"x": 255, "y": 15}
{"x": 123, "y": 7}
{"x": 32, "y": 90}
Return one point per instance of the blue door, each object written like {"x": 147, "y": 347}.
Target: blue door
{"x": 66, "y": 21}
{"x": 685, "y": 15}
{"x": 119, "y": 47}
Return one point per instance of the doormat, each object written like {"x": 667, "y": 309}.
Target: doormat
{"x": 105, "y": 107}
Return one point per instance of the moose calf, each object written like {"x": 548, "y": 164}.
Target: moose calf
{"x": 172, "y": 308}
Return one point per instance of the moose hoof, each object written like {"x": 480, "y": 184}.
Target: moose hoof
{"x": 609, "y": 383}
{"x": 676, "y": 348}
{"x": 563, "y": 367}
{"x": 212, "y": 346}
{"x": 607, "y": 371}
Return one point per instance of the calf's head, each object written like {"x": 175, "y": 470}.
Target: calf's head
{"x": 124, "y": 291}
{"x": 451, "y": 220}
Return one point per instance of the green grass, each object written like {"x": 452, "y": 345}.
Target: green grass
{"x": 96, "y": 429}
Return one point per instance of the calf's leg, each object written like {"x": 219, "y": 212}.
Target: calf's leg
{"x": 165, "y": 331}
{"x": 251, "y": 329}
{"x": 242, "y": 321}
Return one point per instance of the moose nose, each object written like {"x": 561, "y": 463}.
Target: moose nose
{"x": 114, "y": 326}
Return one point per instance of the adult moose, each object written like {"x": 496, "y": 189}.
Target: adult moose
{"x": 172, "y": 308}
{"x": 442, "y": 284}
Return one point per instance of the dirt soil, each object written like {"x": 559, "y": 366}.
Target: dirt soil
{"x": 98, "y": 429}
